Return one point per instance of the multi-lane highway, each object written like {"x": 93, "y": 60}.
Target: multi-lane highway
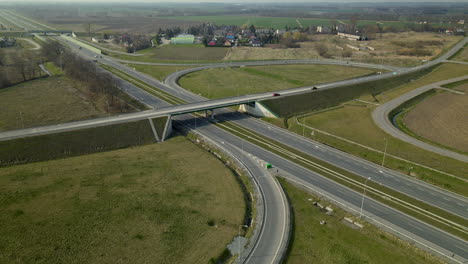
{"x": 450, "y": 202}
{"x": 407, "y": 227}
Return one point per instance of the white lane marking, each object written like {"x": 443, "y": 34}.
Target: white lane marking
{"x": 445, "y": 198}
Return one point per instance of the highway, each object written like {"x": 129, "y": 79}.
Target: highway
{"x": 420, "y": 190}
{"x": 422, "y": 234}
{"x": 439, "y": 241}
{"x": 270, "y": 243}
{"x": 381, "y": 118}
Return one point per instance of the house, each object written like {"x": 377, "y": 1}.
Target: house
{"x": 263, "y": 31}
{"x": 256, "y": 43}
{"x": 227, "y": 43}
{"x": 324, "y": 29}
{"x": 212, "y": 43}
{"x": 461, "y": 22}
{"x": 351, "y": 36}
{"x": 230, "y": 37}
{"x": 95, "y": 40}
{"x": 280, "y": 32}
{"x": 219, "y": 32}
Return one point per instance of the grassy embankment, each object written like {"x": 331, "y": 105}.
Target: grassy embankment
{"x": 423, "y": 211}
{"x": 226, "y": 82}
{"x": 133, "y": 205}
{"x": 461, "y": 55}
{"x": 354, "y": 122}
{"x": 338, "y": 241}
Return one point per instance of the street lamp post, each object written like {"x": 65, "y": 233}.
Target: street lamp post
{"x": 385, "y": 152}
{"x": 238, "y": 239}
{"x": 363, "y": 193}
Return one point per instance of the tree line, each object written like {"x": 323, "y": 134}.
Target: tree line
{"x": 18, "y": 66}
{"x": 100, "y": 84}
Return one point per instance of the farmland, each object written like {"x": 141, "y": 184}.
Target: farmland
{"x": 133, "y": 205}
{"x": 386, "y": 49}
{"x": 225, "y": 82}
{"x": 275, "y": 22}
{"x": 338, "y": 241}
{"x": 442, "y": 118}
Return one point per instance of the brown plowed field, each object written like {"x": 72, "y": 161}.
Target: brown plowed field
{"x": 442, "y": 118}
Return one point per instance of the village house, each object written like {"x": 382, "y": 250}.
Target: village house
{"x": 352, "y": 36}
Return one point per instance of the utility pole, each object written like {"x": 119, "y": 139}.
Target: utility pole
{"x": 363, "y": 194}
{"x": 385, "y": 152}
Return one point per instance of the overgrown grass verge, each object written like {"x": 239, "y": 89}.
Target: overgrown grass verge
{"x": 434, "y": 177}
{"x": 150, "y": 89}
{"x": 290, "y": 106}
{"x": 338, "y": 241}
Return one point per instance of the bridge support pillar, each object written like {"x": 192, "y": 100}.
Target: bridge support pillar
{"x": 209, "y": 114}
{"x": 257, "y": 109}
{"x": 161, "y": 127}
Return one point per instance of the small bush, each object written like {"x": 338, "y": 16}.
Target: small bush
{"x": 211, "y": 222}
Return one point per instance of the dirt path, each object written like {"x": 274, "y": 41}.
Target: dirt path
{"x": 32, "y": 42}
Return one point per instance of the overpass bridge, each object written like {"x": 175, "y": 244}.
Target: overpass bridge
{"x": 48, "y": 31}
{"x": 250, "y": 104}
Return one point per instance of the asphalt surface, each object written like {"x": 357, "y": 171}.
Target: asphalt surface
{"x": 422, "y": 234}
{"x": 381, "y": 118}
{"x": 270, "y": 244}
{"x": 440, "y": 241}
{"x": 451, "y": 202}
{"x": 263, "y": 62}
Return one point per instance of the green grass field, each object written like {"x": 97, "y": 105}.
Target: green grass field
{"x": 44, "y": 101}
{"x": 225, "y": 82}
{"x": 134, "y": 205}
{"x": 276, "y": 22}
{"x": 461, "y": 55}
{"x": 354, "y": 122}
{"x": 158, "y": 72}
{"x": 177, "y": 53}
{"x": 337, "y": 241}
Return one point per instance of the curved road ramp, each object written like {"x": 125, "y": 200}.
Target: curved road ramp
{"x": 381, "y": 116}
